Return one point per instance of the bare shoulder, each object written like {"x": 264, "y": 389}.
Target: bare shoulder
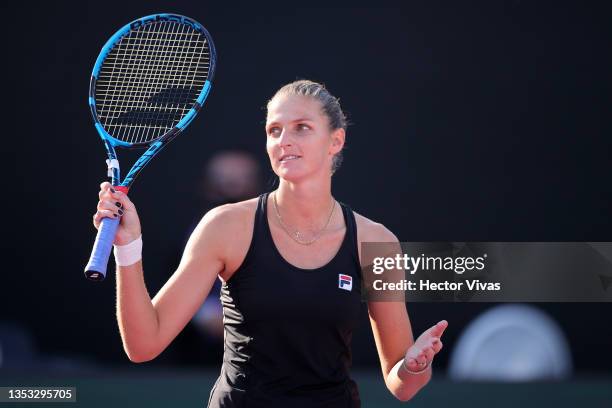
{"x": 372, "y": 231}
{"x": 231, "y": 216}
{"x": 228, "y": 229}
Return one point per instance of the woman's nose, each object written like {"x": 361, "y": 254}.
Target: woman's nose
{"x": 285, "y": 138}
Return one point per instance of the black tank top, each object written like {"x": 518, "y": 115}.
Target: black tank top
{"x": 288, "y": 330}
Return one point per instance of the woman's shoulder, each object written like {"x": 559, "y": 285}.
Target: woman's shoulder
{"x": 232, "y": 217}
{"x": 372, "y": 231}
{"x": 228, "y": 231}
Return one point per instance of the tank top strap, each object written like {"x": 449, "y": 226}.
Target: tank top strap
{"x": 351, "y": 231}
{"x": 261, "y": 218}
{"x": 259, "y": 234}
{"x": 264, "y": 237}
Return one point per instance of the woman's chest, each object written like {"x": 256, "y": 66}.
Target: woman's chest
{"x": 315, "y": 255}
{"x": 278, "y": 292}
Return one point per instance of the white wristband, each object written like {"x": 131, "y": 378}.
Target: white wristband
{"x": 130, "y": 253}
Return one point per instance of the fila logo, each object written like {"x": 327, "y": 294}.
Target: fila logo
{"x": 345, "y": 282}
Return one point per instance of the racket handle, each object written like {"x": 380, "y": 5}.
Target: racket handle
{"x": 96, "y": 267}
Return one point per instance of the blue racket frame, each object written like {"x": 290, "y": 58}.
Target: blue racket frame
{"x": 98, "y": 261}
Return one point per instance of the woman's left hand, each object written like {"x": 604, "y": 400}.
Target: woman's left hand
{"x": 422, "y": 352}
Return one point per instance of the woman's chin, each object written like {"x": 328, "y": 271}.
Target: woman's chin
{"x": 289, "y": 174}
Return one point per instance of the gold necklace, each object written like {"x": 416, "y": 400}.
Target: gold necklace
{"x": 296, "y": 236}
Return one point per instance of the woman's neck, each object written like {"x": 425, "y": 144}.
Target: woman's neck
{"x": 304, "y": 205}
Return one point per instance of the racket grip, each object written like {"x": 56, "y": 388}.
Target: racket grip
{"x": 96, "y": 267}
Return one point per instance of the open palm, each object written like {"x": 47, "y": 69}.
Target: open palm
{"x": 422, "y": 352}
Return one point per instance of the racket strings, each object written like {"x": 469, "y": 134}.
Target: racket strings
{"x": 139, "y": 116}
{"x": 150, "y": 80}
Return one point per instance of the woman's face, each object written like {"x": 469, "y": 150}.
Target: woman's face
{"x": 299, "y": 141}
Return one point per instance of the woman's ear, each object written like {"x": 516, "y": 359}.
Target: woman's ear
{"x": 338, "y": 137}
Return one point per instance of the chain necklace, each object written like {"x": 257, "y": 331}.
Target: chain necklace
{"x": 296, "y": 236}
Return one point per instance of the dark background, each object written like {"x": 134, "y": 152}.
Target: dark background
{"x": 471, "y": 121}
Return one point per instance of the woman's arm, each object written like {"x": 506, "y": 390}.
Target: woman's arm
{"x": 399, "y": 354}
{"x": 148, "y": 326}
{"x": 393, "y": 337}
{"x": 203, "y": 259}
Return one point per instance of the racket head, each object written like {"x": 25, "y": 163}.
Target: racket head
{"x": 151, "y": 79}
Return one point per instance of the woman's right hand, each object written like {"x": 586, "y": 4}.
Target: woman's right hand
{"x": 115, "y": 204}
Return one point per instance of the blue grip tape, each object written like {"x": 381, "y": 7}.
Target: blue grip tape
{"x": 96, "y": 267}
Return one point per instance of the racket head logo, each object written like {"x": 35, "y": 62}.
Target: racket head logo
{"x": 134, "y": 25}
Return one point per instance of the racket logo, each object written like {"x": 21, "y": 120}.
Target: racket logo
{"x": 345, "y": 282}
{"x": 161, "y": 17}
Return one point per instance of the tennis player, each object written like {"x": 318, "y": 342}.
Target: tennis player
{"x": 289, "y": 263}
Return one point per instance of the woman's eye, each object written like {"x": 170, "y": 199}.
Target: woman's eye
{"x": 302, "y": 126}
{"x": 274, "y": 131}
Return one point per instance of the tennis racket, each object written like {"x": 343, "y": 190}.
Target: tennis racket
{"x": 149, "y": 81}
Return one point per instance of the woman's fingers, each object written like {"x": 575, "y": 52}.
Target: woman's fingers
{"x": 97, "y": 218}
{"x": 426, "y": 347}
{"x": 438, "y": 329}
{"x": 115, "y": 204}
{"x": 118, "y": 198}
{"x": 421, "y": 359}
{"x": 122, "y": 199}
{"x": 429, "y": 353}
{"x": 110, "y": 205}
{"x": 106, "y": 186}
{"x": 436, "y": 344}
{"x": 412, "y": 364}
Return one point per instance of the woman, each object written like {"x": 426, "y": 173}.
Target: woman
{"x": 288, "y": 320}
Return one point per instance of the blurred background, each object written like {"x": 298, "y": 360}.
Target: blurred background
{"x": 470, "y": 121}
